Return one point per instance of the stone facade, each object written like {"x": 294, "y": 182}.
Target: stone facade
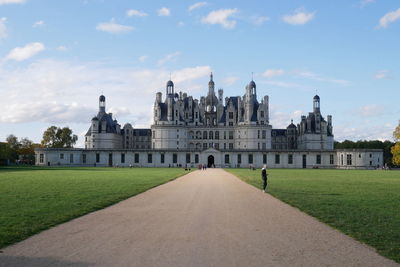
{"x": 352, "y": 159}
{"x": 230, "y": 132}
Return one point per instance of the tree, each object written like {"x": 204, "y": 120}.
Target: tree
{"x": 56, "y": 137}
{"x": 13, "y": 146}
{"x": 396, "y": 148}
{"x": 26, "y": 150}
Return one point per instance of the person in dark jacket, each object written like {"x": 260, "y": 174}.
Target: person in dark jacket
{"x": 264, "y": 177}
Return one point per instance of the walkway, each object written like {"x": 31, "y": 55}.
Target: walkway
{"x": 206, "y": 218}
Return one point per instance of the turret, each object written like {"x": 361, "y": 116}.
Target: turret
{"x": 170, "y": 88}
{"x": 316, "y": 104}
{"x": 211, "y": 85}
{"x": 158, "y": 97}
{"x": 220, "y": 96}
{"x": 102, "y": 104}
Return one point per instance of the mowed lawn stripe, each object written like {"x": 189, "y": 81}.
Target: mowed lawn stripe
{"x": 34, "y": 199}
{"x": 363, "y": 204}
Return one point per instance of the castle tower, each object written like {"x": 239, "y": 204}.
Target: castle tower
{"x": 316, "y": 104}
{"x": 102, "y": 104}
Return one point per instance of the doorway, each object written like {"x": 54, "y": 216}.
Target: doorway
{"x": 210, "y": 162}
{"x": 304, "y": 161}
{"x": 110, "y": 160}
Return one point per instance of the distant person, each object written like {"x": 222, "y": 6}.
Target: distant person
{"x": 264, "y": 176}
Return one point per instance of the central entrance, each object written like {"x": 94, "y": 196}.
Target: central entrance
{"x": 210, "y": 162}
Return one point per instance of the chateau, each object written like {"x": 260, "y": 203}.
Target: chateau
{"x": 223, "y": 132}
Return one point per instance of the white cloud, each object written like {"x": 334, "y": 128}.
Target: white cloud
{"x": 389, "y": 18}
{"x": 273, "y": 72}
{"x": 3, "y": 28}
{"x": 168, "y": 58}
{"x": 364, "y": 3}
{"x": 181, "y": 24}
{"x": 228, "y": 81}
{"x": 25, "y": 52}
{"x": 135, "y": 13}
{"x": 259, "y": 20}
{"x": 221, "y": 17}
{"x": 197, "y": 5}
{"x": 142, "y": 58}
{"x": 363, "y": 132}
{"x": 382, "y": 74}
{"x": 318, "y": 77}
{"x": 39, "y": 23}
{"x": 164, "y": 12}
{"x": 113, "y": 27}
{"x": 280, "y": 120}
{"x": 371, "y": 110}
{"x": 5, "y": 2}
{"x": 299, "y": 17}
{"x": 62, "y": 48}
{"x": 60, "y": 92}
{"x": 283, "y": 84}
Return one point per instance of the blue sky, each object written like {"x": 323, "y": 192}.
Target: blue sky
{"x": 57, "y": 57}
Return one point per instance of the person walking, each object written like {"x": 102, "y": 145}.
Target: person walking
{"x": 264, "y": 177}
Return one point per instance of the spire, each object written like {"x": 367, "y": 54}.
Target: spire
{"x": 211, "y": 77}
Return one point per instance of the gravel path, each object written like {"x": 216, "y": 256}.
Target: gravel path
{"x": 206, "y": 218}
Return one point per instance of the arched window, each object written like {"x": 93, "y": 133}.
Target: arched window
{"x": 216, "y": 134}
{"x": 211, "y": 135}
{"x": 205, "y": 135}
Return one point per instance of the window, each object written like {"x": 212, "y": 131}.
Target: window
{"x": 224, "y": 145}
{"x": 258, "y": 134}
{"x": 264, "y": 134}
{"x": 83, "y": 158}
{"x": 231, "y": 115}
{"x": 250, "y": 158}
{"x": 331, "y": 159}
{"x": 264, "y": 158}
{"x": 318, "y": 159}
{"x": 136, "y": 157}
{"x": 224, "y": 135}
{"x": 277, "y": 159}
{"x": 290, "y": 159}
{"x": 359, "y": 155}
{"x": 226, "y": 159}
{"x": 71, "y": 158}
{"x": 262, "y": 114}
{"x": 264, "y": 146}
{"x": 174, "y": 158}
{"x": 211, "y": 135}
{"x": 122, "y": 158}
{"x": 239, "y": 158}
{"x": 348, "y": 158}
{"x": 370, "y": 163}
{"x": 149, "y": 158}
{"x": 217, "y": 135}
{"x": 230, "y": 134}
{"x": 41, "y": 158}
{"x": 187, "y": 158}
{"x": 97, "y": 157}
{"x": 204, "y": 145}
{"x": 370, "y": 155}
{"x": 230, "y": 123}
{"x": 196, "y": 158}
{"x": 231, "y": 146}
{"x": 341, "y": 159}
{"x": 61, "y": 156}
{"x": 205, "y": 135}
{"x": 162, "y": 158}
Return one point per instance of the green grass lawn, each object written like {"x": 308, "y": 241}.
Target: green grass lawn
{"x": 34, "y": 199}
{"x": 363, "y": 204}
